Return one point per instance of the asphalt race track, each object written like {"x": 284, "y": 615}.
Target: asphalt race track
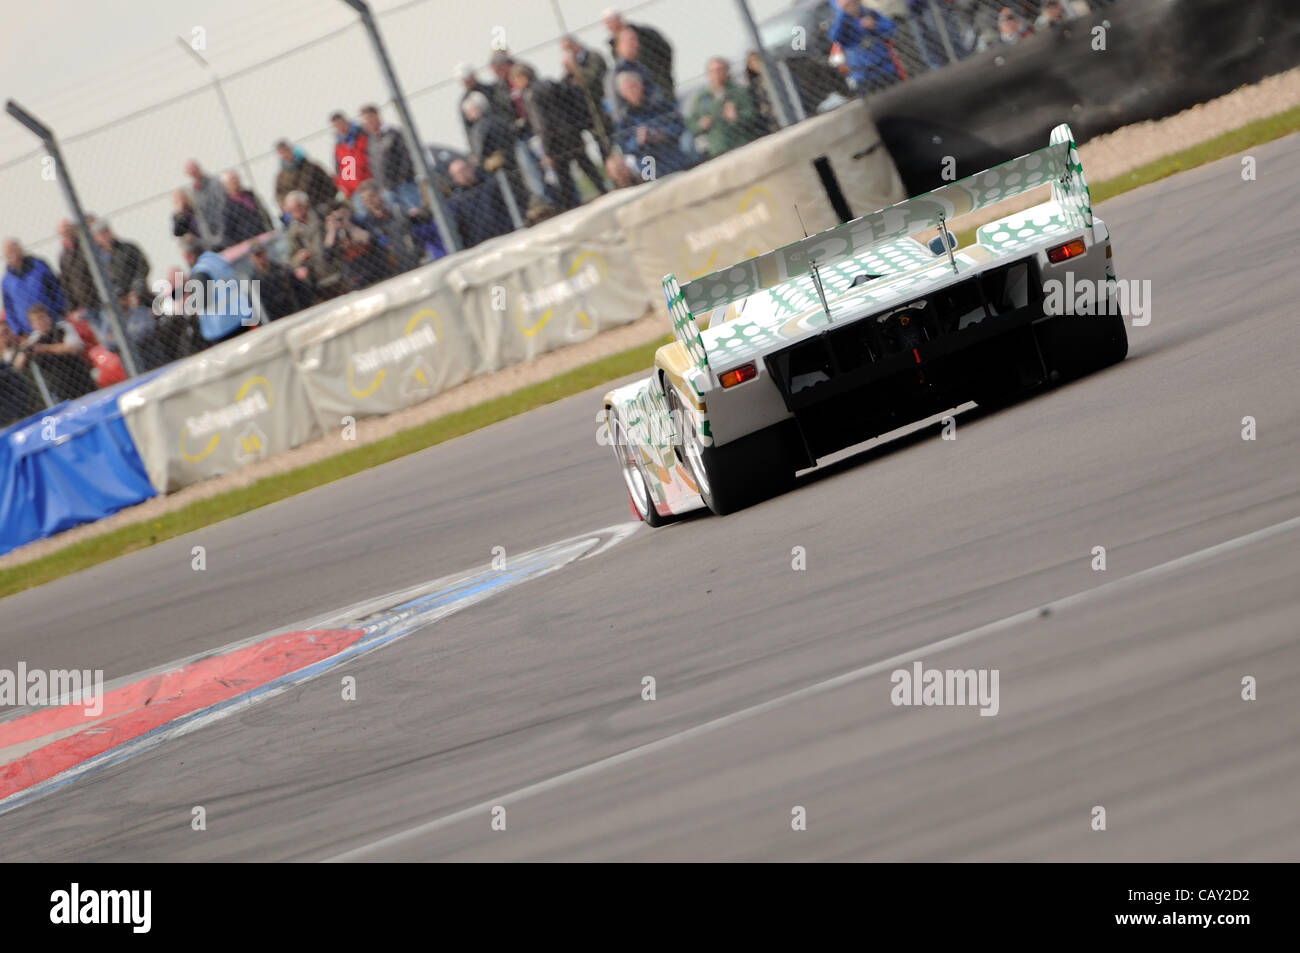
{"x": 773, "y": 685}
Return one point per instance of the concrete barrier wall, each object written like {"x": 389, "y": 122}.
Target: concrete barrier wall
{"x": 220, "y": 410}
{"x": 557, "y": 283}
{"x": 394, "y": 345}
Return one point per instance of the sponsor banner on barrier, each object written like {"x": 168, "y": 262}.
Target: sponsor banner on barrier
{"x": 220, "y": 410}
{"x": 557, "y": 283}
{"x": 394, "y": 345}
{"x": 742, "y": 204}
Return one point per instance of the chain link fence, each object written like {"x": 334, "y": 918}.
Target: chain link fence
{"x": 258, "y": 193}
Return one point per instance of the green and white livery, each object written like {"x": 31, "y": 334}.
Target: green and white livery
{"x": 841, "y": 336}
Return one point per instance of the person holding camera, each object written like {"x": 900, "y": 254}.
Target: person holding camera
{"x": 56, "y": 349}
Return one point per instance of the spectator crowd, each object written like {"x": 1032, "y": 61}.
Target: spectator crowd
{"x": 537, "y": 146}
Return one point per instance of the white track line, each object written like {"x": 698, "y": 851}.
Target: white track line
{"x": 483, "y": 808}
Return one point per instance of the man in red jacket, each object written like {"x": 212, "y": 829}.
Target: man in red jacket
{"x": 351, "y": 157}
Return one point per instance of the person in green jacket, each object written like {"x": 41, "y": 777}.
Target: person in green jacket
{"x": 724, "y": 113}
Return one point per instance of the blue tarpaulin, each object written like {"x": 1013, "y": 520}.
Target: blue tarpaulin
{"x": 72, "y": 464}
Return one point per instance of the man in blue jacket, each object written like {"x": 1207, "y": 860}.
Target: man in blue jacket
{"x": 650, "y": 129}
{"x": 28, "y": 281}
{"x": 861, "y": 34}
{"x": 224, "y": 308}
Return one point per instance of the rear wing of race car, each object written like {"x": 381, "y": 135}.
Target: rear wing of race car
{"x": 1057, "y": 163}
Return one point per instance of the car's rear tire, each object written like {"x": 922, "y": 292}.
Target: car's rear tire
{"x": 1075, "y": 345}
{"x": 741, "y": 473}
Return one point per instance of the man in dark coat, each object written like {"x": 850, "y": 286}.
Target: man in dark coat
{"x": 300, "y": 174}
{"x": 656, "y": 53}
{"x": 476, "y": 205}
{"x": 390, "y": 161}
{"x": 585, "y": 70}
{"x": 650, "y": 130}
{"x": 125, "y": 263}
{"x": 74, "y": 271}
{"x": 492, "y": 144}
{"x": 554, "y": 111}
{"x": 497, "y": 95}
{"x": 279, "y": 291}
{"x": 245, "y": 215}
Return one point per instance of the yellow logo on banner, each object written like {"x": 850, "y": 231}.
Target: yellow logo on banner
{"x": 225, "y": 417}
{"x": 547, "y": 315}
{"x": 758, "y": 192}
{"x": 428, "y": 314}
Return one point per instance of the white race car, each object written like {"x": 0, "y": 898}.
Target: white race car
{"x": 867, "y": 326}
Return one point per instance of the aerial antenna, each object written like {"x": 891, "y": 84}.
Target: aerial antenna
{"x": 812, "y": 267}
{"x": 944, "y": 235}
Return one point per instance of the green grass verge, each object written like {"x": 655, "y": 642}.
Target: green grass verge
{"x": 202, "y": 513}
{"x": 230, "y": 503}
{"x": 1220, "y": 147}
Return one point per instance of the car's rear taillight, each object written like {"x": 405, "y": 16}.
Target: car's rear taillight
{"x": 738, "y": 375}
{"x": 1069, "y": 250}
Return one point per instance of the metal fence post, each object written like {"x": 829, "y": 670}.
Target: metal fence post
{"x": 783, "y": 67}
{"x": 942, "y": 27}
{"x": 507, "y": 193}
{"x": 225, "y": 108}
{"x": 449, "y": 237}
{"x": 784, "y": 114}
{"x": 46, "y": 136}
{"x": 41, "y": 386}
